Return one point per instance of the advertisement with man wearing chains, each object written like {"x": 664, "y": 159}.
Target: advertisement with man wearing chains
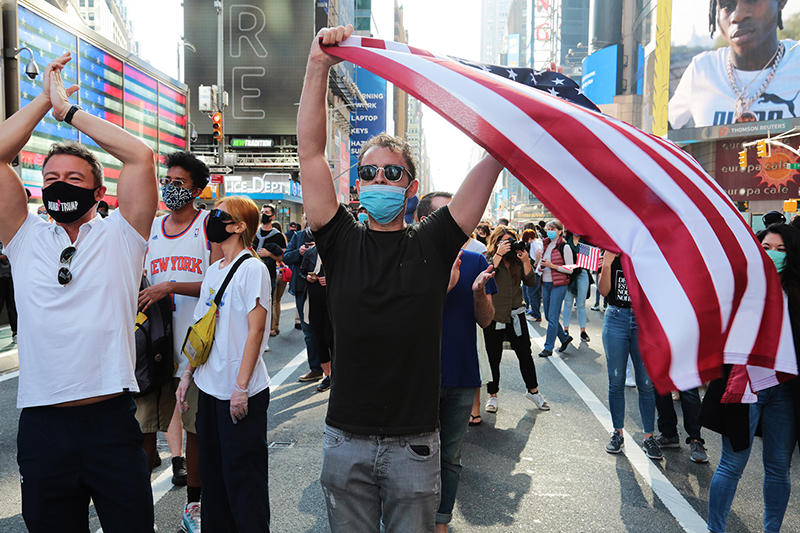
{"x": 753, "y": 75}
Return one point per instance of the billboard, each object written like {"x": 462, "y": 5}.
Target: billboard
{"x": 763, "y": 178}
{"x": 600, "y": 75}
{"x": 742, "y": 73}
{"x": 366, "y": 121}
{"x": 264, "y": 58}
{"x": 114, "y": 86}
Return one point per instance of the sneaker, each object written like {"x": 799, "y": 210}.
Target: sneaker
{"x": 14, "y": 338}
{"x": 565, "y": 344}
{"x": 325, "y": 384}
{"x": 545, "y": 353}
{"x": 595, "y": 308}
{"x": 616, "y": 443}
{"x": 179, "y": 471}
{"x": 538, "y": 399}
{"x": 491, "y": 405}
{"x": 297, "y": 325}
{"x": 698, "y": 452}
{"x": 191, "y": 518}
{"x": 310, "y": 376}
{"x": 630, "y": 382}
{"x": 668, "y": 442}
{"x": 584, "y": 336}
{"x": 156, "y": 461}
{"x": 651, "y": 449}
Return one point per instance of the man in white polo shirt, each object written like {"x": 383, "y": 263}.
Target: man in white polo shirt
{"x": 77, "y": 284}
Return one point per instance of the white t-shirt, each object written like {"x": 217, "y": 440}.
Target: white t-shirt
{"x": 76, "y": 341}
{"x": 183, "y": 258}
{"x": 251, "y": 281}
{"x": 475, "y": 246}
{"x": 704, "y": 96}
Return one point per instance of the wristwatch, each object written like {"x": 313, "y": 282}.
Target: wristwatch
{"x": 71, "y": 113}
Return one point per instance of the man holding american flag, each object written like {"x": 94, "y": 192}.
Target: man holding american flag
{"x": 384, "y": 399}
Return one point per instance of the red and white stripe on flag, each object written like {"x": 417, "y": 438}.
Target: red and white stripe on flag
{"x": 702, "y": 289}
{"x": 588, "y": 256}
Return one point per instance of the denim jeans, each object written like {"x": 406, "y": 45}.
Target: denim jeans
{"x": 308, "y": 334}
{"x": 552, "y": 298}
{"x": 775, "y": 409}
{"x": 620, "y": 340}
{"x": 668, "y": 419}
{"x": 455, "y": 406}
{"x": 579, "y": 299}
{"x": 533, "y": 298}
{"x": 366, "y": 476}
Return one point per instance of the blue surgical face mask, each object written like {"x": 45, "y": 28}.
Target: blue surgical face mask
{"x": 779, "y": 258}
{"x": 363, "y": 218}
{"x": 552, "y": 235}
{"x": 44, "y": 217}
{"x": 383, "y": 202}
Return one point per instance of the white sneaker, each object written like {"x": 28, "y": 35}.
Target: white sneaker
{"x": 630, "y": 382}
{"x": 491, "y": 405}
{"x": 191, "y": 518}
{"x": 538, "y": 399}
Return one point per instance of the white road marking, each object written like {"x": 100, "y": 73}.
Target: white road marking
{"x": 10, "y": 375}
{"x": 687, "y": 517}
{"x": 287, "y": 371}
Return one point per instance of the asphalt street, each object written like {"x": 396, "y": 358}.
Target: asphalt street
{"x": 524, "y": 469}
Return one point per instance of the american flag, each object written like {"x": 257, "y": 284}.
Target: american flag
{"x": 702, "y": 289}
{"x": 588, "y": 256}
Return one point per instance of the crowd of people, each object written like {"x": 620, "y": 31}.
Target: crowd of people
{"x": 390, "y": 464}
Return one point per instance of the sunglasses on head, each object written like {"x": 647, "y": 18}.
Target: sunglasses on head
{"x": 64, "y": 274}
{"x": 391, "y": 172}
{"x": 221, "y": 215}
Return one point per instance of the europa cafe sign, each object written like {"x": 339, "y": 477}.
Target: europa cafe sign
{"x": 763, "y": 178}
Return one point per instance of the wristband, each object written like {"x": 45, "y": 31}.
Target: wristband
{"x": 71, "y": 113}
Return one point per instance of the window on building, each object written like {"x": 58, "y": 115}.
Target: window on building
{"x": 83, "y": 3}
{"x": 91, "y": 16}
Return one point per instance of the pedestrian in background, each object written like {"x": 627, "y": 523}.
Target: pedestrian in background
{"x": 7, "y": 294}
{"x": 776, "y": 410}
{"x": 555, "y": 279}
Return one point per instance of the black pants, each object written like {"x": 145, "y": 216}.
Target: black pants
{"x": 233, "y": 465}
{"x": 668, "y": 419}
{"x": 522, "y": 347}
{"x": 7, "y": 299}
{"x": 67, "y": 455}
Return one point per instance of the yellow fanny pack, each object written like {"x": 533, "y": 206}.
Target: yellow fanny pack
{"x": 200, "y": 336}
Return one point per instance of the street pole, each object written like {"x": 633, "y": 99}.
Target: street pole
{"x": 220, "y": 80}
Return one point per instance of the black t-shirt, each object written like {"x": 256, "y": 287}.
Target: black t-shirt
{"x": 262, "y": 240}
{"x": 386, "y": 294}
{"x": 618, "y": 296}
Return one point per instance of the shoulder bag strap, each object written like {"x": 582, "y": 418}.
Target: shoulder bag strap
{"x": 221, "y": 291}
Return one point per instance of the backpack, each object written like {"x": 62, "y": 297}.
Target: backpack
{"x": 155, "y": 361}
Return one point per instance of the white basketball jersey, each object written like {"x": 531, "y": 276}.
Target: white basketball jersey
{"x": 183, "y": 258}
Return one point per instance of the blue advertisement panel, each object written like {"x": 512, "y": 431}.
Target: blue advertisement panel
{"x": 599, "y": 82}
{"x": 513, "y": 50}
{"x": 366, "y": 121}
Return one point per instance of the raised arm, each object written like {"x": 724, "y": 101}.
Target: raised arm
{"x": 137, "y": 191}
{"x": 319, "y": 195}
{"x": 470, "y": 201}
{"x": 15, "y": 133}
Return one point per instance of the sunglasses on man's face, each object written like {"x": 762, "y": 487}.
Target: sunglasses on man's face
{"x": 64, "y": 274}
{"x": 221, "y": 215}
{"x": 391, "y": 172}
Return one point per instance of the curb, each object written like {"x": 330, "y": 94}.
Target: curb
{"x": 9, "y": 360}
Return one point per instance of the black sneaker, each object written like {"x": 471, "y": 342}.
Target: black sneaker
{"x": 668, "y": 442}
{"x": 545, "y": 353}
{"x": 179, "y": 471}
{"x": 157, "y": 461}
{"x": 325, "y": 384}
{"x": 651, "y": 449}
{"x": 565, "y": 344}
{"x": 584, "y": 336}
{"x": 616, "y": 443}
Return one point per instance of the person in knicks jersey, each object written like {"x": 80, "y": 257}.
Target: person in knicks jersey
{"x": 757, "y": 77}
{"x": 178, "y": 255}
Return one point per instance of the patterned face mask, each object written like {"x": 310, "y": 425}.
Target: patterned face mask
{"x": 175, "y": 197}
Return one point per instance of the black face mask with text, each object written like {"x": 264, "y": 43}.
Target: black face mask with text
{"x": 67, "y": 203}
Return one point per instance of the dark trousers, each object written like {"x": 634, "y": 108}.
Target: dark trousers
{"x": 68, "y": 455}
{"x": 7, "y": 300}
{"x": 668, "y": 419}
{"x": 308, "y": 334}
{"x": 233, "y": 465}
{"x": 522, "y": 347}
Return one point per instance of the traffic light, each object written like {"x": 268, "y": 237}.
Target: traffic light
{"x": 216, "y": 119}
{"x": 761, "y": 148}
{"x": 743, "y": 159}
